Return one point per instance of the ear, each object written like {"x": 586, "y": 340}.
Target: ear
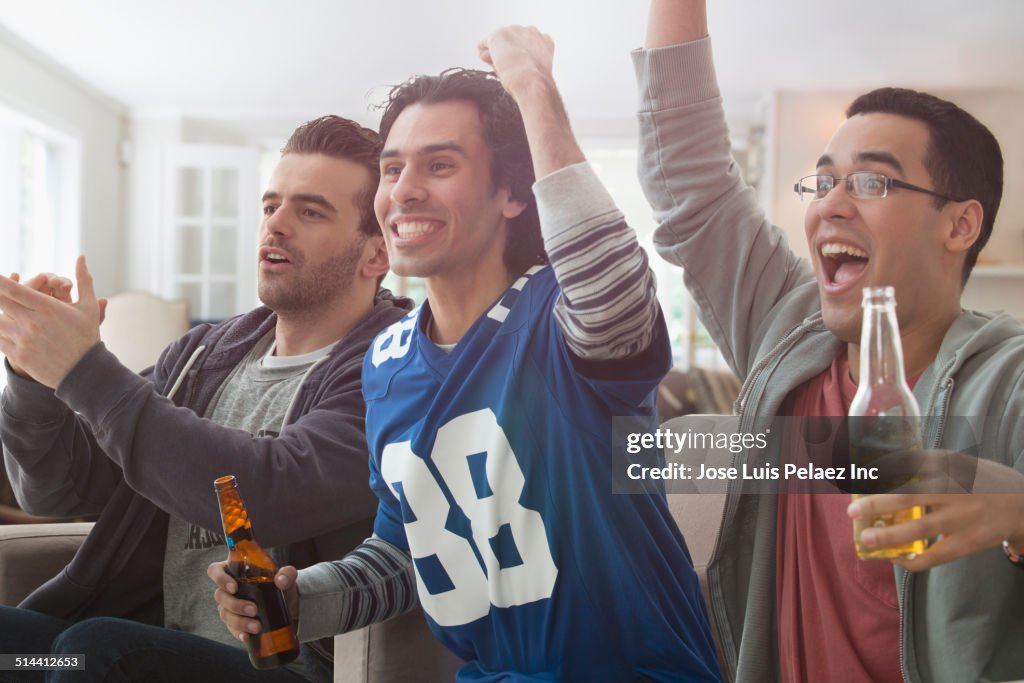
{"x": 375, "y": 258}
{"x": 965, "y": 228}
{"x": 510, "y": 208}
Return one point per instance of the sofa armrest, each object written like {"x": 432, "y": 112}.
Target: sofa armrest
{"x": 32, "y": 553}
{"x": 399, "y": 650}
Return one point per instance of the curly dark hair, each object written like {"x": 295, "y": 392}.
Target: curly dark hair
{"x": 505, "y": 135}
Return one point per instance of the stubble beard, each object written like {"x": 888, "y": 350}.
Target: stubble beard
{"x": 308, "y": 291}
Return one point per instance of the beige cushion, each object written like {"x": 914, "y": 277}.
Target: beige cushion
{"x": 30, "y": 554}
{"x": 699, "y": 517}
{"x": 400, "y": 650}
{"x": 138, "y": 326}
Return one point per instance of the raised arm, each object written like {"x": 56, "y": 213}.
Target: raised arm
{"x": 33, "y": 423}
{"x": 608, "y": 309}
{"x": 673, "y": 22}
{"x": 737, "y": 265}
{"x": 70, "y": 448}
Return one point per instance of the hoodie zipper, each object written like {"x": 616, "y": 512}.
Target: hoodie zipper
{"x": 753, "y": 378}
{"x": 940, "y": 402}
{"x": 740, "y": 404}
{"x": 903, "y": 603}
{"x": 940, "y": 412}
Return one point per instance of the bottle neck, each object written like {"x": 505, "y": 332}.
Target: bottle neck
{"x": 233, "y": 515}
{"x": 881, "y": 351}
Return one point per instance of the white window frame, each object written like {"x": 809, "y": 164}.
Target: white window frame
{"x": 66, "y": 196}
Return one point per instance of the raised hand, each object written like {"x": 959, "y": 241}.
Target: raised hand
{"x": 42, "y": 333}
{"x": 520, "y": 55}
{"x": 522, "y": 58}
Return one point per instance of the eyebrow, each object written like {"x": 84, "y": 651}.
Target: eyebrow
{"x": 317, "y": 199}
{"x": 876, "y": 156}
{"x": 449, "y": 146}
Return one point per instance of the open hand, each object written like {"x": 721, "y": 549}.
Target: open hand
{"x": 42, "y": 333}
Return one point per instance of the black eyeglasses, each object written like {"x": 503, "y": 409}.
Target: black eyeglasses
{"x": 859, "y": 184}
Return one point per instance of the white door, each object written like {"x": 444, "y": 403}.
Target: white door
{"x": 210, "y": 229}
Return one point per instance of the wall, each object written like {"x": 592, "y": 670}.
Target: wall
{"x": 35, "y": 86}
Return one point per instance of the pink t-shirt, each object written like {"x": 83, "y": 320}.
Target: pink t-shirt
{"x": 838, "y": 616}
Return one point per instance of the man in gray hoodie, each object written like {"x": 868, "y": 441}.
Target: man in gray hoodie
{"x": 272, "y": 396}
{"x": 904, "y": 195}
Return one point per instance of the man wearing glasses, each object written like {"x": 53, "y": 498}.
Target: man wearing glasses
{"x": 905, "y": 195}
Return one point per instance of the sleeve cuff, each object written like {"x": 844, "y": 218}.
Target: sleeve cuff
{"x": 96, "y": 384}
{"x": 569, "y": 197}
{"x": 675, "y": 76}
{"x": 320, "y": 602}
{"x": 28, "y": 400}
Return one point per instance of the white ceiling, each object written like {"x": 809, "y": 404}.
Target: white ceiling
{"x": 261, "y": 59}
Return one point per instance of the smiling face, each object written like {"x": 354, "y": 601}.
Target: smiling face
{"x": 899, "y": 240}
{"x": 311, "y": 247}
{"x": 442, "y": 216}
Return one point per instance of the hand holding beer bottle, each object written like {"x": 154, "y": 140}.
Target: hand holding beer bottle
{"x": 884, "y": 416}
{"x": 254, "y": 570}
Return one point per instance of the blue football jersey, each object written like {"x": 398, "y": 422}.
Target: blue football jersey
{"x": 494, "y": 469}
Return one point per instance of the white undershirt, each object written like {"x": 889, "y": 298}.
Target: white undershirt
{"x": 272, "y": 361}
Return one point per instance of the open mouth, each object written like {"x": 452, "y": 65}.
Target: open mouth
{"x": 273, "y": 257}
{"x": 842, "y": 263}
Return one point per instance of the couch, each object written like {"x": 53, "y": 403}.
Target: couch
{"x": 32, "y": 553}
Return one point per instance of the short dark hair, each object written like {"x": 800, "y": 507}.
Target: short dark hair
{"x": 963, "y": 156}
{"x": 340, "y": 138}
{"x": 505, "y": 135}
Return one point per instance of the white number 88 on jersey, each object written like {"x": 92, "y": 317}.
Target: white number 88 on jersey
{"x": 511, "y": 540}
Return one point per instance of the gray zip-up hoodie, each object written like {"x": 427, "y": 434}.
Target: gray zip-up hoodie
{"x": 132, "y": 448}
{"x": 963, "y": 621}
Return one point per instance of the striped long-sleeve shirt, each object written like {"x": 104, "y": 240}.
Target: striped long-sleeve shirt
{"x": 608, "y": 306}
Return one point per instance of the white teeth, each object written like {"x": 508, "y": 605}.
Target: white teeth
{"x": 834, "y": 249}
{"x": 276, "y": 257}
{"x": 414, "y": 229}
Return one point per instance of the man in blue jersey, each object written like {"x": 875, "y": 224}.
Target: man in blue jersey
{"x": 489, "y": 408}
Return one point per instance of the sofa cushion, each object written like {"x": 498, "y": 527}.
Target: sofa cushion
{"x": 30, "y": 554}
{"x": 400, "y": 650}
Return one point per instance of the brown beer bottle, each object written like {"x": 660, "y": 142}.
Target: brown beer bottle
{"x": 254, "y": 570}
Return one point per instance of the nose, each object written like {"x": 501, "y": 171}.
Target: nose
{"x": 838, "y": 203}
{"x": 277, "y": 223}
{"x": 408, "y": 189}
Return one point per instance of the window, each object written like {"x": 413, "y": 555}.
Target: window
{"x": 210, "y": 233}
{"x": 615, "y": 164}
{"x": 39, "y": 204}
{"x": 39, "y": 199}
